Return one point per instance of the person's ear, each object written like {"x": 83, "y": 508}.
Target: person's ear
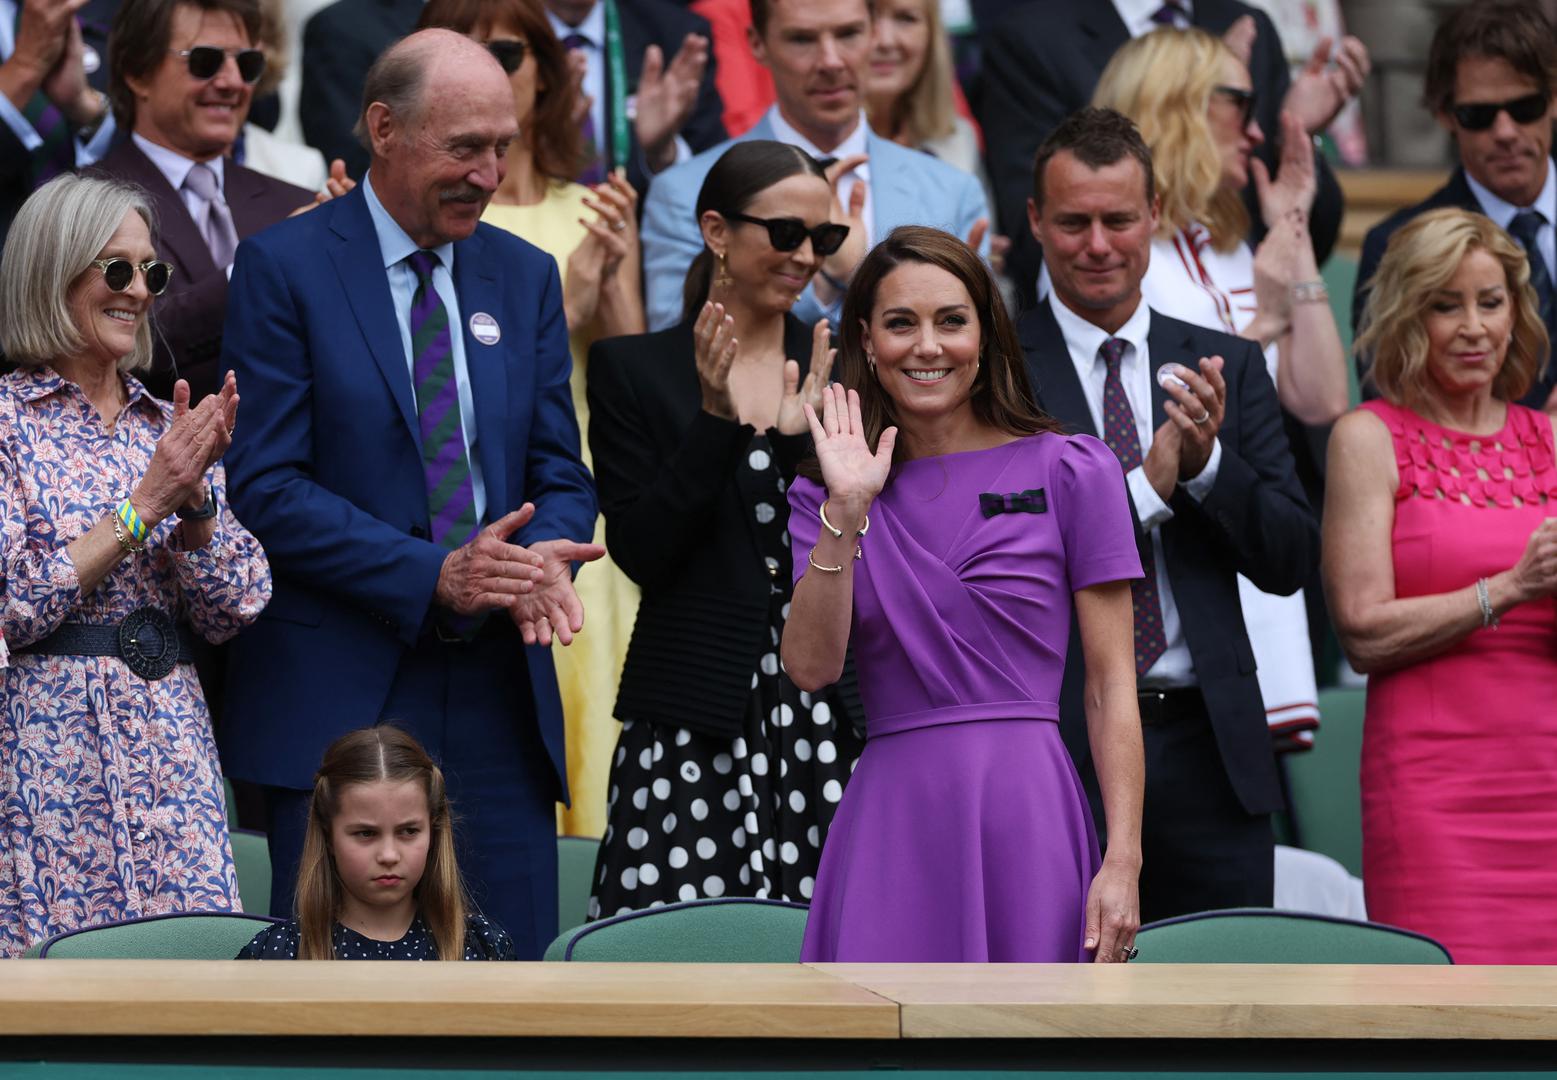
{"x": 759, "y": 48}
{"x": 1446, "y": 121}
{"x": 1034, "y": 217}
{"x": 1156, "y": 212}
{"x": 716, "y": 231}
{"x": 380, "y": 125}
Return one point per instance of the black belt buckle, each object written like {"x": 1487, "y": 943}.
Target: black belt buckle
{"x": 148, "y": 642}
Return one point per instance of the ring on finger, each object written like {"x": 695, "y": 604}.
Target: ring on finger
{"x": 1129, "y": 952}
{"x": 1202, "y": 418}
{"x": 618, "y": 225}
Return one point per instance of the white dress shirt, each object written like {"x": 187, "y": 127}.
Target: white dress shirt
{"x": 395, "y": 245}
{"x": 1083, "y": 340}
{"x": 593, "y": 31}
{"x": 1137, "y": 15}
{"x": 1502, "y": 212}
{"x": 852, "y": 146}
{"x": 12, "y": 116}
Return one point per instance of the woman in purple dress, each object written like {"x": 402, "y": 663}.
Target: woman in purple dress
{"x": 952, "y": 532}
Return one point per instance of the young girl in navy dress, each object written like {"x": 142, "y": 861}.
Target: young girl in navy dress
{"x": 378, "y": 879}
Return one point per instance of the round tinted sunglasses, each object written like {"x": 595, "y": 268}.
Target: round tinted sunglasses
{"x": 787, "y": 234}
{"x": 1482, "y": 115}
{"x": 509, "y": 52}
{"x": 119, "y": 273}
{"x": 206, "y": 60}
{"x": 1243, "y": 100}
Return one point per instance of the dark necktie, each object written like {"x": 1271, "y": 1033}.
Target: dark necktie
{"x": 58, "y": 152}
{"x": 594, "y": 171}
{"x": 1525, "y": 227}
{"x": 1120, "y": 433}
{"x": 1171, "y": 14}
{"x": 451, "y": 501}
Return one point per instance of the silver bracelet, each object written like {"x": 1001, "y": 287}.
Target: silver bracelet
{"x": 1310, "y": 292}
{"x": 1484, "y": 601}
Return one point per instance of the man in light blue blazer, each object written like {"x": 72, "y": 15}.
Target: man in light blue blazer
{"x": 409, "y": 458}
{"x": 818, "y": 53}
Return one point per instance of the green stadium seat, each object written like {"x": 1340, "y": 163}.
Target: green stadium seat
{"x": 732, "y": 930}
{"x": 213, "y": 935}
{"x": 1340, "y": 278}
{"x": 575, "y": 878}
{"x": 1263, "y": 936}
{"x": 251, "y": 857}
{"x": 1323, "y": 785}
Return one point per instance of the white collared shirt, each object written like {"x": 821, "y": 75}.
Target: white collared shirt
{"x": 1083, "y": 340}
{"x": 1502, "y": 212}
{"x": 13, "y": 116}
{"x": 396, "y": 245}
{"x": 854, "y": 144}
{"x": 593, "y": 31}
{"x": 1137, "y": 15}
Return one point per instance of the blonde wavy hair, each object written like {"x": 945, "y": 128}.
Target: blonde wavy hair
{"x": 924, "y": 111}
{"x": 1421, "y": 259}
{"x": 1163, "y": 82}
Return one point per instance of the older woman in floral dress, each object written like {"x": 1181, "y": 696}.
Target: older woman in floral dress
{"x": 115, "y": 544}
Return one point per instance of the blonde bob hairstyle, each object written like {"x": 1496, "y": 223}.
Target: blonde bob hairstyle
{"x": 1163, "y": 81}
{"x": 59, "y": 230}
{"x": 1421, "y": 259}
{"x": 924, "y": 111}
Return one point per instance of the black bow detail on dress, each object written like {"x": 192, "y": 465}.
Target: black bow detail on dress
{"x": 1018, "y": 502}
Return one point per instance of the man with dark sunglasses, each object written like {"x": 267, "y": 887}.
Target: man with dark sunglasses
{"x": 183, "y": 77}
{"x": 1492, "y": 84}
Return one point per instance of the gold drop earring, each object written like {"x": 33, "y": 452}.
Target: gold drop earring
{"x": 722, "y": 278}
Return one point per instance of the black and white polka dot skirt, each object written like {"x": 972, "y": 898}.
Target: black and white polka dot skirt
{"x": 692, "y": 815}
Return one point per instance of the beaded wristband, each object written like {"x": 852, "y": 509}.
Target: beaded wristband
{"x": 132, "y": 522}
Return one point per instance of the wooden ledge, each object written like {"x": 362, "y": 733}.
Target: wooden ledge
{"x": 167, "y": 997}
{"x": 1225, "y": 1001}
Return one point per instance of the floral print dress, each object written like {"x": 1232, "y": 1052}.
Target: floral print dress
{"x": 110, "y": 792}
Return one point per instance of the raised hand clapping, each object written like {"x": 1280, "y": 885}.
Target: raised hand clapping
{"x": 791, "y": 418}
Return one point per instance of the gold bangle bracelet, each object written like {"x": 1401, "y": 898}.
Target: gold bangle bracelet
{"x": 837, "y": 532}
{"x": 811, "y": 558}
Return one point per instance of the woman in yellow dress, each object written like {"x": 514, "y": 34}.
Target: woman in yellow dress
{"x": 593, "y": 235}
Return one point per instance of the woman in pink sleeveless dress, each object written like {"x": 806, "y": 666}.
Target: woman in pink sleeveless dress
{"x": 1441, "y": 565}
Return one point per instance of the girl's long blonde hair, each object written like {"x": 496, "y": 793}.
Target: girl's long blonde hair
{"x": 372, "y": 754}
{"x": 1163, "y": 81}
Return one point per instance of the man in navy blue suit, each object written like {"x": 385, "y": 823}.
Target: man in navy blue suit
{"x": 409, "y": 458}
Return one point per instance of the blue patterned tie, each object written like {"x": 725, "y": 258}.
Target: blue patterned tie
{"x": 1525, "y": 228}
{"x": 1120, "y": 433}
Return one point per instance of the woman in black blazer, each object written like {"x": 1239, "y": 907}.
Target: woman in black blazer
{"x": 725, "y": 776}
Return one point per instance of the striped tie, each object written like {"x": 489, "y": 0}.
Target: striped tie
{"x": 451, "y": 501}
{"x": 1122, "y": 437}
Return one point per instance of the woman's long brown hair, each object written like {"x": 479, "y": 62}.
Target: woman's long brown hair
{"x": 1001, "y": 396}
{"x": 553, "y": 137}
{"x": 364, "y": 757}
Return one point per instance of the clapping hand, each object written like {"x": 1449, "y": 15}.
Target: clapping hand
{"x": 714, "y": 349}
{"x": 791, "y": 417}
{"x": 552, "y": 607}
{"x": 1321, "y": 91}
{"x": 841, "y": 263}
{"x": 1290, "y": 195}
{"x": 193, "y": 442}
{"x": 666, "y": 97}
{"x": 852, "y": 473}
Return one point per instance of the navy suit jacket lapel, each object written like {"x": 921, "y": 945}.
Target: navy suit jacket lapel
{"x": 1053, "y": 374}
{"x": 359, "y": 262}
{"x": 476, "y": 285}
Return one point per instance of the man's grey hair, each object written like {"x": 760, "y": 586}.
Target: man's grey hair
{"x": 395, "y": 80}
{"x": 59, "y": 230}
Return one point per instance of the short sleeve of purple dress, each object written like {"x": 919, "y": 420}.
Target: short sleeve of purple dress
{"x": 964, "y": 834}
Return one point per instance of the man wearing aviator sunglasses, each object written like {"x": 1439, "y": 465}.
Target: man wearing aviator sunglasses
{"x": 183, "y": 75}
{"x": 1492, "y": 84}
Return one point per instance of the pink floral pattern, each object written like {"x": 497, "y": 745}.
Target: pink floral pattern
{"x": 110, "y": 791}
